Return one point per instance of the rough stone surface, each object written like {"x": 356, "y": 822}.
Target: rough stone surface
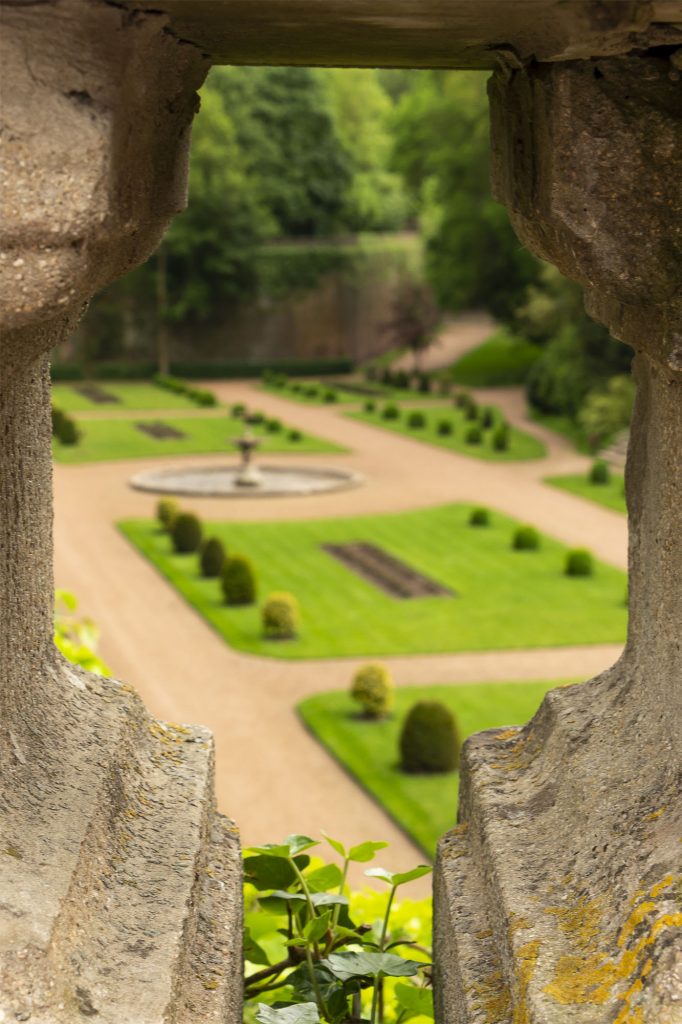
{"x": 419, "y": 33}
{"x": 120, "y": 894}
{"x": 558, "y": 894}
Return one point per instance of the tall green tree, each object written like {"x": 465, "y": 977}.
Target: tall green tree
{"x": 441, "y": 147}
{"x": 210, "y": 248}
{"x": 285, "y": 126}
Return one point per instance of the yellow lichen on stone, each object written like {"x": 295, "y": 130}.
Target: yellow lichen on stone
{"x": 507, "y": 734}
{"x": 593, "y": 973}
{"x": 655, "y": 814}
{"x": 492, "y": 997}
{"x": 526, "y": 959}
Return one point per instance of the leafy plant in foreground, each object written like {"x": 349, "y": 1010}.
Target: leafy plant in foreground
{"x": 76, "y": 637}
{"x": 307, "y": 953}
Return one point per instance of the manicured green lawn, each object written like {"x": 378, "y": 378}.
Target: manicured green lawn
{"x": 521, "y": 445}
{"x": 501, "y": 361}
{"x": 130, "y": 394}
{"x": 424, "y": 805}
{"x": 120, "y": 439}
{"x": 562, "y": 425}
{"x": 507, "y": 599}
{"x": 611, "y": 494}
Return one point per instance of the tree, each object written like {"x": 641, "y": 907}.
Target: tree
{"x": 414, "y": 318}
{"x": 284, "y": 125}
{"x": 473, "y": 257}
{"x": 210, "y": 249}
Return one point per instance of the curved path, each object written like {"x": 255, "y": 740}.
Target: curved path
{"x": 271, "y": 775}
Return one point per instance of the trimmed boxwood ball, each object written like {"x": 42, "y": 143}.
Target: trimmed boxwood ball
{"x": 425, "y": 384}
{"x": 526, "y": 538}
{"x": 479, "y": 517}
{"x": 501, "y": 438}
{"x": 295, "y": 435}
{"x": 58, "y": 418}
{"x": 186, "y": 533}
{"x": 280, "y": 617}
{"x": 273, "y": 426}
{"x": 474, "y": 435}
{"x": 238, "y": 581}
{"x": 212, "y": 557}
{"x": 67, "y": 431}
{"x": 370, "y": 406}
{"x": 461, "y": 400}
{"x": 416, "y": 420}
{"x": 372, "y": 688}
{"x": 444, "y": 427}
{"x": 600, "y": 472}
{"x": 471, "y": 410}
{"x": 579, "y": 562}
{"x": 167, "y": 512}
{"x": 429, "y": 739}
{"x": 487, "y": 418}
{"x": 330, "y": 397}
{"x": 390, "y": 412}
{"x": 237, "y": 410}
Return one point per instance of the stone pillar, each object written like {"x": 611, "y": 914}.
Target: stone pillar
{"x": 558, "y": 893}
{"x": 119, "y": 883}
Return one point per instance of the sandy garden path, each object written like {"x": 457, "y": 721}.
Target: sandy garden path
{"x": 271, "y": 775}
{"x": 457, "y": 336}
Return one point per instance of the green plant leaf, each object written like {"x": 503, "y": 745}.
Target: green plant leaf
{"x": 336, "y": 845}
{"x": 326, "y": 899}
{"x": 254, "y": 953}
{"x": 416, "y": 1001}
{"x": 284, "y": 894}
{"x": 267, "y": 872}
{"x": 329, "y": 876}
{"x": 364, "y": 852}
{"x": 373, "y": 965}
{"x": 317, "y": 927}
{"x": 399, "y": 878}
{"x": 291, "y": 846}
{"x": 301, "y": 1013}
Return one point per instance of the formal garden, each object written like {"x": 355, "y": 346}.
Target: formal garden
{"x": 453, "y": 578}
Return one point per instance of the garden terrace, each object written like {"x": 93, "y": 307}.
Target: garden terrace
{"x": 587, "y": 157}
{"x": 343, "y": 614}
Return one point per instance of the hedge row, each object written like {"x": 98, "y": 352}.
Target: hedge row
{"x": 279, "y": 613}
{"x": 180, "y": 387}
{"x": 213, "y": 371}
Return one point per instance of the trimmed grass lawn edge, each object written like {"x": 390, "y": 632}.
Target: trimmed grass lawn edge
{"x": 300, "y": 714}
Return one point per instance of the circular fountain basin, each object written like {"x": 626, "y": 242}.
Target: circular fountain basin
{"x": 222, "y": 481}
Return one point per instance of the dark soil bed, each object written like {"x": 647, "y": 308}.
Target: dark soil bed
{"x": 160, "y": 431}
{"x": 94, "y": 393}
{"x": 386, "y": 572}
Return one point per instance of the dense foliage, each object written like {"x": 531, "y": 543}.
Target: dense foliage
{"x": 76, "y": 637}
{"x": 186, "y": 533}
{"x": 238, "y": 581}
{"x": 280, "y": 615}
{"x": 211, "y": 557}
{"x": 316, "y": 955}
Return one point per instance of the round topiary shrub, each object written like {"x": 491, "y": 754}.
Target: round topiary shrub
{"x": 416, "y": 420}
{"x": 238, "y": 581}
{"x": 599, "y": 473}
{"x": 501, "y": 438}
{"x": 487, "y": 418}
{"x": 68, "y": 432}
{"x": 579, "y": 562}
{"x": 167, "y": 512}
{"x": 444, "y": 427}
{"x": 295, "y": 435}
{"x": 312, "y": 391}
{"x": 479, "y": 517}
{"x": 474, "y": 435}
{"x": 390, "y": 412}
{"x": 526, "y": 538}
{"x": 330, "y": 397}
{"x": 255, "y": 418}
{"x": 370, "y": 406}
{"x": 372, "y": 688}
{"x": 429, "y": 739}
{"x": 273, "y": 426}
{"x": 425, "y": 384}
{"x": 238, "y": 410}
{"x": 58, "y": 418}
{"x": 471, "y": 410}
{"x": 280, "y": 617}
{"x": 212, "y": 557}
{"x": 461, "y": 400}
{"x": 186, "y": 533}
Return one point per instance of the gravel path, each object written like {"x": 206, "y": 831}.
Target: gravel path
{"x": 271, "y": 775}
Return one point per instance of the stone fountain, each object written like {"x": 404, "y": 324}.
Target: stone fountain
{"x": 247, "y": 475}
